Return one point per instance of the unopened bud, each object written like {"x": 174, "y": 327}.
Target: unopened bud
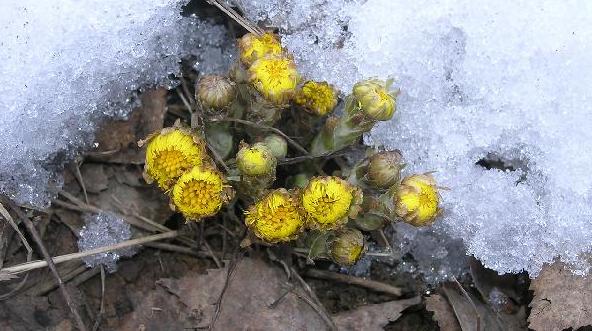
{"x": 256, "y": 160}
{"x": 347, "y": 248}
{"x": 277, "y": 144}
{"x": 374, "y": 99}
{"x": 215, "y": 92}
{"x": 384, "y": 169}
{"x": 416, "y": 200}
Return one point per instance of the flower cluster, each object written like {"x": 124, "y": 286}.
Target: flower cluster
{"x": 260, "y": 121}
{"x": 176, "y": 159}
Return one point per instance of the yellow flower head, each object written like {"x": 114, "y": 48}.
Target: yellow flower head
{"x": 328, "y": 201}
{"x": 275, "y": 78}
{"x": 417, "y": 199}
{"x": 276, "y": 217}
{"x": 347, "y": 248}
{"x": 374, "y": 99}
{"x": 253, "y": 47}
{"x": 199, "y": 193}
{"x": 318, "y": 98}
{"x": 256, "y": 160}
{"x": 170, "y": 153}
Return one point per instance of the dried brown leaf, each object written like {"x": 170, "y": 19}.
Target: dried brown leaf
{"x": 443, "y": 312}
{"x": 474, "y": 315}
{"x": 561, "y": 299}
{"x": 247, "y": 304}
{"x": 373, "y": 317}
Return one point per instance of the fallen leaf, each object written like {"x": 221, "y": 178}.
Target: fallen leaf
{"x": 561, "y": 299}
{"x": 30, "y": 313}
{"x": 443, "y": 312}
{"x": 491, "y": 285}
{"x": 474, "y": 315}
{"x": 373, "y": 317}
{"x": 257, "y": 297}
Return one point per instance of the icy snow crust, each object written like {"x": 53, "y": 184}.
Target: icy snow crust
{"x": 67, "y": 64}
{"x": 101, "y": 230}
{"x": 503, "y": 80}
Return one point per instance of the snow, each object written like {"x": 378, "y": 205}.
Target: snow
{"x": 68, "y": 65}
{"x": 102, "y": 230}
{"x": 506, "y": 81}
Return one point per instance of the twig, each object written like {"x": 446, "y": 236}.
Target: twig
{"x": 185, "y": 102}
{"x": 33, "y": 231}
{"x": 218, "y": 158}
{"x": 211, "y": 252}
{"x": 102, "y": 307}
{"x": 265, "y": 127}
{"x": 67, "y": 257}
{"x": 319, "y": 306}
{"x": 468, "y": 297}
{"x": 12, "y": 223}
{"x": 367, "y": 283}
{"x": 80, "y": 180}
{"x": 231, "y": 269}
{"x": 179, "y": 249}
{"x": 236, "y": 16}
{"x": 316, "y": 308}
{"x": 44, "y": 288}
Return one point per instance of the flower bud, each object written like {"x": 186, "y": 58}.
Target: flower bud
{"x": 277, "y": 144}
{"x": 256, "y": 160}
{"x": 416, "y": 200}
{"x": 374, "y": 99}
{"x": 384, "y": 168}
{"x": 215, "y": 92}
{"x": 347, "y": 248}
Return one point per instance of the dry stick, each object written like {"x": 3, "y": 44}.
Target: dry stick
{"x": 33, "y": 231}
{"x": 67, "y": 257}
{"x": 237, "y": 17}
{"x": 102, "y": 307}
{"x": 320, "y": 308}
{"x": 185, "y": 102}
{"x": 369, "y": 284}
{"x": 468, "y": 297}
{"x": 218, "y": 158}
{"x": 12, "y": 223}
{"x": 316, "y": 308}
{"x": 265, "y": 127}
{"x": 231, "y": 269}
{"x": 40, "y": 290}
{"x": 80, "y": 180}
{"x": 83, "y": 207}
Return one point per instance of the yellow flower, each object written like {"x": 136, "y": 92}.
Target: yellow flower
{"x": 374, "y": 99}
{"x": 275, "y": 78}
{"x": 347, "y": 248}
{"x": 253, "y": 47}
{"x": 329, "y": 201}
{"x": 170, "y": 153}
{"x": 256, "y": 160}
{"x": 199, "y": 193}
{"x": 417, "y": 199}
{"x": 318, "y": 98}
{"x": 276, "y": 217}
